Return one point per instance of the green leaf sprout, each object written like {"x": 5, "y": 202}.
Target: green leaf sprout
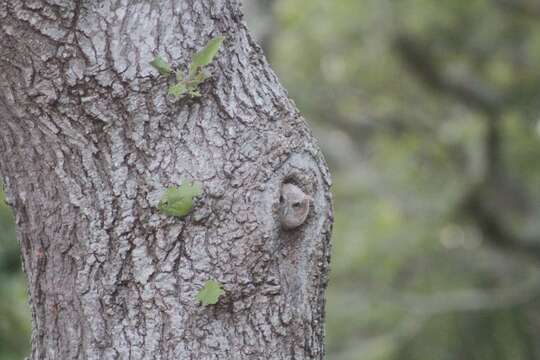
{"x": 178, "y": 201}
{"x": 197, "y": 70}
{"x": 205, "y": 56}
{"x": 210, "y": 293}
{"x": 161, "y": 65}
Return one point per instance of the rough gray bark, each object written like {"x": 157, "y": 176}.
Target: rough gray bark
{"x": 88, "y": 143}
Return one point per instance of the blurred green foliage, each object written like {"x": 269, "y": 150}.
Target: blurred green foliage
{"x": 14, "y": 312}
{"x": 429, "y": 114}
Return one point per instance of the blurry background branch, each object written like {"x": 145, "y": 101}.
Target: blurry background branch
{"x": 483, "y": 198}
{"x": 521, "y": 7}
{"x": 418, "y": 57}
{"x": 493, "y": 228}
{"x": 419, "y": 309}
{"x": 473, "y": 299}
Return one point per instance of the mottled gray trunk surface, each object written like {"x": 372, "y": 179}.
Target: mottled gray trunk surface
{"x": 88, "y": 143}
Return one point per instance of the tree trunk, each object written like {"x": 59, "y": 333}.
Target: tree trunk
{"x": 89, "y": 140}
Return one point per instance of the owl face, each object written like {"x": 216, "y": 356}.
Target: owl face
{"x": 294, "y": 205}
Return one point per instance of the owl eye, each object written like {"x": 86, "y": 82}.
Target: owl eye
{"x": 296, "y": 205}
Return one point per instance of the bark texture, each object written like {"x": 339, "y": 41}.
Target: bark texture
{"x": 88, "y": 143}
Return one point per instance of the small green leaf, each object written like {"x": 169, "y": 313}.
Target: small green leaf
{"x": 210, "y": 293}
{"x": 205, "y": 55}
{"x": 201, "y": 75}
{"x": 193, "y": 92}
{"x": 178, "y": 201}
{"x": 192, "y": 88}
{"x": 178, "y": 90}
{"x": 161, "y": 65}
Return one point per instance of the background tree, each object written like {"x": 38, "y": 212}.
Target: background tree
{"x": 89, "y": 141}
